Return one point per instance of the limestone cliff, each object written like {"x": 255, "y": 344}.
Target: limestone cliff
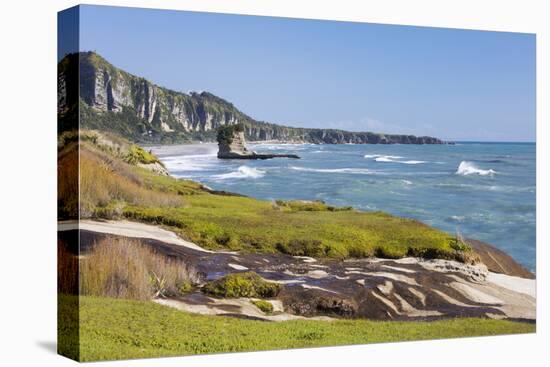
{"x": 114, "y": 100}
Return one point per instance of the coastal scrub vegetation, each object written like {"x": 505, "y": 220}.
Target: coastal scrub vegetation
{"x": 263, "y": 306}
{"x": 225, "y": 133}
{"x": 113, "y": 189}
{"x": 248, "y": 284}
{"x": 118, "y": 329}
{"x": 308, "y": 206}
{"x": 124, "y": 268}
{"x": 136, "y": 155}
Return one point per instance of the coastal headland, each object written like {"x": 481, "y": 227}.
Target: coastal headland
{"x": 179, "y": 258}
{"x": 431, "y": 277}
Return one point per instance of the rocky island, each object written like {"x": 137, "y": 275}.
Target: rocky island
{"x": 232, "y": 145}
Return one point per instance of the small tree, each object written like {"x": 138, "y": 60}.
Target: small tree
{"x": 225, "y": 133}
{"x": 238, "y": 127}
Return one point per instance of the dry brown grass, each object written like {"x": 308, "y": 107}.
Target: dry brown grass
{"x": 104, "y": 181}
{"x": 125, "y": 268}
{"x": 67, "y": 182}
{"x": 67, "y": 270}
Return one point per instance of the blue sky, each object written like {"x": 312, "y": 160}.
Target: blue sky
{"x": 453, "y": 84}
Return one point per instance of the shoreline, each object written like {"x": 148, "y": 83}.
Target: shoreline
{"x": 495, "y": 258}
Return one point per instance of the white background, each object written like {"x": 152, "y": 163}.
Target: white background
{"x": 28, "y": 181}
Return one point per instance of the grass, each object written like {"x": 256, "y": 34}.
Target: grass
{"x": 247, "y": 224}
{"x": 310, "y": 206}
{"x": 248, "y": 284}
{"x": 114, "y": 189}
{"x": 121, "y": 329}
{"x": 124, "y": 268}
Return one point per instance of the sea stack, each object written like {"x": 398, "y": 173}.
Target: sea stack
{"x": 232, "y": 145}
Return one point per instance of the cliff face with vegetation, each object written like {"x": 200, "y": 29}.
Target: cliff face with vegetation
{"x": 114, "y": 100}
{"x": 232, "y": 145}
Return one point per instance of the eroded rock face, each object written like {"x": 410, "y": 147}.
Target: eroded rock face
{"x": 235, "y": 148}
{"x": 314, "y": 302}
{"x": 380, "y": 289}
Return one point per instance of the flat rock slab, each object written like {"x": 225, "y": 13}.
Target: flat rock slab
{"x": 381, "y": 289}
{"x": 256, "y": 156}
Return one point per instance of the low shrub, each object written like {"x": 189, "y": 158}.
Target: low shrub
{"x": 264, "y": 306}
{"x": 185, "y": 287}
{"x": 390, "y": 252}
{"x": 296, "y": 247}
{"x": 124, "y": 268}
{"x": 360, "y": 252}
{"x": 467, "y": 256}
{"x": 248, "y": 284}
{"x": 137, "y": 154}
{"x": 309, "y": 206}
{"x": 225, "y": 134}
{"x": 459, "y": 245}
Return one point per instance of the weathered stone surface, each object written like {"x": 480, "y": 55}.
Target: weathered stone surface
{"x": 382, "y": 289}
{"x": 498, "y": 261}
{"x": 236, "y": 149}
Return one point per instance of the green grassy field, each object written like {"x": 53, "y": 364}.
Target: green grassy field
{"x": 121, "y": 329}
{"x": 112, "y": 188}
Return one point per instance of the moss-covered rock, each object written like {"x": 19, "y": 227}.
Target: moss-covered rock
{"x": 264, "y": 306}
{"x": 248, "y": 284}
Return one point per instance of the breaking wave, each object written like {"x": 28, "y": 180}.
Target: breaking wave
{"x": 392, "y": 159}
{"x": 466, "y": 168}
{"x": 242, "y": 172}
{"x": 358, "y": 171}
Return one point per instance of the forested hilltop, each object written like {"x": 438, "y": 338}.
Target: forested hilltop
{"x": 111, "y": 99}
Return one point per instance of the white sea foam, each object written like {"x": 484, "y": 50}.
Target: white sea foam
{"x": 359, "y": 171}
{"x": 392, "y": 159}
{"x": 188, "y": 163}
{"x": 241, "y": 172}
{"x": 411, "y": 162}
{"x": 406, "y": 182}
{"x": 466, "y": 168}
{"x": 382, "y": 156}
{"x": 458, "y": 218}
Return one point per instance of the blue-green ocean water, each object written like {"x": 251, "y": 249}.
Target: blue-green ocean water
{"x": 485, "y": 191}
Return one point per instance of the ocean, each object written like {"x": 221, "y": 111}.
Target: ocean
{"x": 485, "y": 191}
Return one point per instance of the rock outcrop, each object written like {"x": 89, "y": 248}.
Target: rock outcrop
{"x": 114, "y": 100}
{"x": 232, "y": 145}
{"x": 372, "y": 288}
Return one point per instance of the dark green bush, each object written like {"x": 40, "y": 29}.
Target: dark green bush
{"x": 304, "y": 247}
{"x": 225, "y": 135}
{"x": 388, "y": 252}
{"x": 360, "y": 252}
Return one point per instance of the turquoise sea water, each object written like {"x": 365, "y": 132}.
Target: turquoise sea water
{"x": 485, "y": 191}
